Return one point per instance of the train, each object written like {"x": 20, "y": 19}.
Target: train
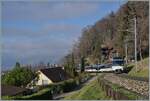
{"x": 116, "y": 65}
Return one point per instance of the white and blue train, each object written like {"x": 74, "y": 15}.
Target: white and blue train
{"x": 116, "y": 66}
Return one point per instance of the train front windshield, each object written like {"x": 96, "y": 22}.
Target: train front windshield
{"x": 118, "y": 62}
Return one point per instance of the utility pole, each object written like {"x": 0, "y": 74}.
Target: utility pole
{"x": 126, "y": 51}
{"x": 135, "y": 33}
{"x": 135, "y": 42}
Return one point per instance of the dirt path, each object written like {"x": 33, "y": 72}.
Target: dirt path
{"x": 61, "y": 96}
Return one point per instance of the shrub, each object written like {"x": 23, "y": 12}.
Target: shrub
{"x": 44, "y": 94}
{"x": 41, "y": 95}
{"x": 69, "y": 85}
{"x": 128, "y": 68}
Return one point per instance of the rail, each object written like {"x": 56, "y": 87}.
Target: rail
{"x": 133, "y": 77}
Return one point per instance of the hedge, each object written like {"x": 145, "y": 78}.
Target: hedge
{"x": 61, "y": 87}
{"x": 43, "y": 94}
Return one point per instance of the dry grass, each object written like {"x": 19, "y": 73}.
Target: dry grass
{"x": 142, "y": 69}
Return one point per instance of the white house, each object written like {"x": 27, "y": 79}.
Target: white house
{"x": 50, "y": 75}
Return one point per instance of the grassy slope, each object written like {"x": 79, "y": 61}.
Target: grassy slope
{"x": 143, "y": 69}
{"x": 89, "y": 92}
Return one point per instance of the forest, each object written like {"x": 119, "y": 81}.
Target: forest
{"x": 113, "y": 32}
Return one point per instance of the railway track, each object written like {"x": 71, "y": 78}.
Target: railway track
{"x": 134, "y": 84}
{"x": 133, "y": 78}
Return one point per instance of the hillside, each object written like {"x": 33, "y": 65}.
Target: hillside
{"x": 108, "y": 36}
{"x": 142, "y": 69}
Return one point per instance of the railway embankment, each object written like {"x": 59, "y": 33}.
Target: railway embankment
{"x": 124, "y": 88}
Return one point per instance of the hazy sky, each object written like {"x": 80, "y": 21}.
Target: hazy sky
{"x": 45, "y": 31}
